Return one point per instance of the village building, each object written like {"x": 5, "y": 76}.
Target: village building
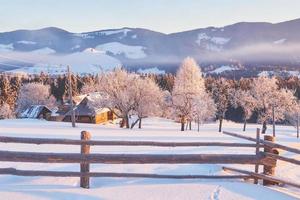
{"x": 36, "y": 112}
{"x": 85, "y": 112}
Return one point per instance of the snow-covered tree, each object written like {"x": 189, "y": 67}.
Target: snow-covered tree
{"x": 221, "y": 92}
{"x": 34, "y": 94}
{"x": 188, "y": 89}
{"x": 89, "y": 88}
{"x": 244, "y": 99}
{"x": 118, "y": 90}
{"x": 148, "y": 99}
{"x": 204, "y": 108}
{"x": 271, "y": 101}
{"x": 6, "y": 112}
{"x": 7, "y": 92}
{"x": 293, "y": 117}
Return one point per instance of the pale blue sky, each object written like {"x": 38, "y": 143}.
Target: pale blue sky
{"x": 160, "y": 15}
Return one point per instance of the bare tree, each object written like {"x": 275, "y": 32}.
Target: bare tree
{"x": 271, "y": 102}
{"x": 204, "y": 109}
{"x": 118, "y": 90}
{"x": 221, "y": 93}
{"x": 148, "y": 100}
{"x": 244, "y": 99}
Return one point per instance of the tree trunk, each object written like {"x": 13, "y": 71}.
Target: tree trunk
{"x": 140, "y": 123}
{"x": 182, "y": 123}
{"x": 220, "y": 124}
{"x": 187, "y": 124}
{"x": 127, "y": 121}
{"x": 245, "y": 122}
{"x": 190, "y": 125}
{"x": 122, "y": 124}
{"x": 264, "y": 127}
{"x": 198, "y": 122}
{"x": 273, "y": 120}
{"x": 297, "y": 125}
{"x": 133, "y": 124}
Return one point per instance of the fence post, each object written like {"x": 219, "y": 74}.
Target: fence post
{"x": 257, "y": 152}
{"x": 269, "y": 170}
{"x": 85, "y": 166}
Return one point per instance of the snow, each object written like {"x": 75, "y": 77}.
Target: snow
{"x": 84, "y": 35}
{"x": 154, "y": 129}
{"x": 133, "y": 52}
{"x": 75, "y": 47}
{"x": 43, "y": 51}
{"x": 31, "y": 112}
{"x": 134, "y": 36}
{"x": 6, "y": 47}
{"x": 212, "y": 47}
{"x": 280, "y": 73}
{"x": 153, "y": 70}
{"x": 26, "y": 42}
{"x": 281, "y": 41}
{"x": 86, "y": 62}
{"x": 218, "y": 41}
{"x": 112, "y": 32}
{"x": 222, "y": 69}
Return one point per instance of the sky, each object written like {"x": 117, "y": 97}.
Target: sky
{"x": 166, "y": 16}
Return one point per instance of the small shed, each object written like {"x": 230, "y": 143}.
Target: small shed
{"x": 36, "y": 112}
{"x": 86, "y": 113}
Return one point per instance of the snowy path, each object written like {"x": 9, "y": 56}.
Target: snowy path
{"x": 12, "y": 187}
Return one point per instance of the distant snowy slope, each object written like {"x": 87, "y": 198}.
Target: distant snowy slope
{"x": 44, "y": 51}
{"x": 223, "y": 69}
{"x": 6, "y": 47}
{"x": 116, "y": 48}
{"x": 153, "y": 70}
{"x": 86, "y": 62}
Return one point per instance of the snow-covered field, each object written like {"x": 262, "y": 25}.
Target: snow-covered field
{"x": 155, "y": 129}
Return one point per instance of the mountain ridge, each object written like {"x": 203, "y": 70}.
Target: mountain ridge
{"x": 243, "y": 42}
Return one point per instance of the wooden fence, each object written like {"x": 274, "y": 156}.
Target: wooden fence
{"x": 84, "y": 158}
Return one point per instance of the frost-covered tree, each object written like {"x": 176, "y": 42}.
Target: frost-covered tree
{"x": 244, "y": 99}
{"x": 221, "y": 92}
{"x": 6, "y": 112}
{"x": 271, "y": 102}
{"x": 118, "y": 90}
{"x": 204, "y": 108}
{"x": 293, "y": 117}
{"x": 34, "y": 94}
{"x": 188, "y": 87}
{"x": 148, "y": 99}
{"x": 6, "y": 94}
{"x": 89, "y": 88}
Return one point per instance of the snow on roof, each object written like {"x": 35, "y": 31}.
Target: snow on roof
{"x": 85, "y": 109}
{"x": 33, "y": 111}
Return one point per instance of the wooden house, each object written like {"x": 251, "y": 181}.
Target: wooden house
{"x": 36, "y": 112}
{"x": 86, "y": 113}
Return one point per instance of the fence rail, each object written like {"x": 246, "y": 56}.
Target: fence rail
{"x": 268, "y": 158}
{"x": 14, "y": 156}
{"x": 39, "y": 141}
{"x": 13, "y": 171}
{"x": 270, "y": 151}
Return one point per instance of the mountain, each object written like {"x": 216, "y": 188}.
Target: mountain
{"x": 51, "y": 49}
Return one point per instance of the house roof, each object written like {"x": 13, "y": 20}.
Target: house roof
{"x": 34, "y": 111}
{"x": 86, "y": 109}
